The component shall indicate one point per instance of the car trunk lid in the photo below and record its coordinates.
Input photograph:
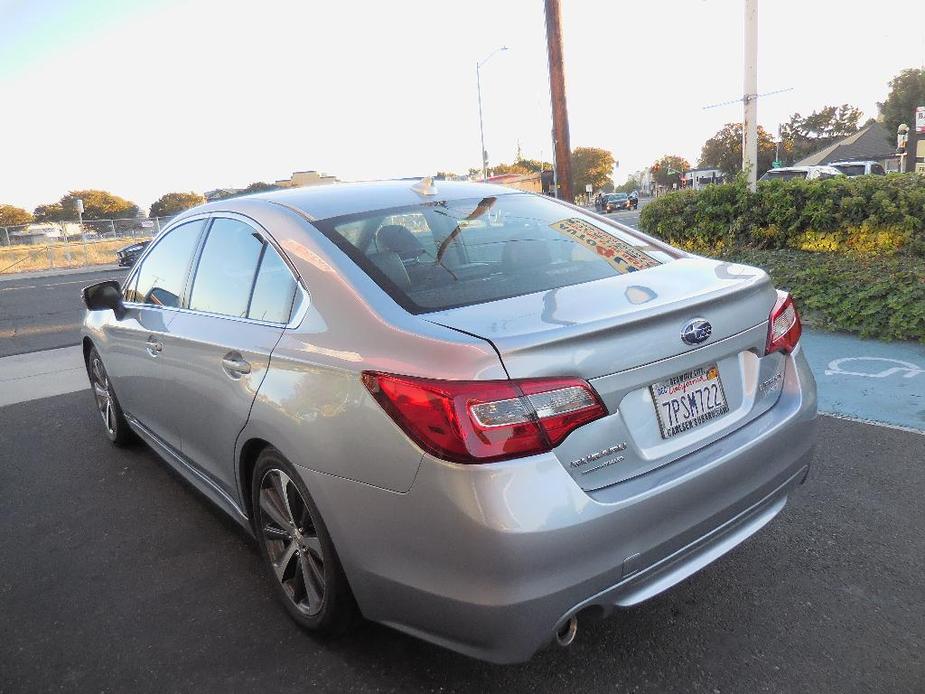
(623, 334)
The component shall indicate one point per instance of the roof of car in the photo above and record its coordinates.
(335, 200)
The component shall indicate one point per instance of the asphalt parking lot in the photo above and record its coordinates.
(118, 576)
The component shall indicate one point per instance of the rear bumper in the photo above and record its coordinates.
(490, 559)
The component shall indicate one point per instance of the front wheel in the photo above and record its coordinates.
(297, 549)
(117, 429)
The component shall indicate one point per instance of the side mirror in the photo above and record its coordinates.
(103, 296)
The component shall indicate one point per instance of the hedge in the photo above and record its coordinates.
(882, 297)
(863, 213)
(851, 250)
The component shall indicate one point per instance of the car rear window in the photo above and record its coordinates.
(851, 169)
(441, 255)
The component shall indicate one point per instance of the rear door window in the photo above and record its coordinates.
(162, 276)
(435, 256)
(227, 269)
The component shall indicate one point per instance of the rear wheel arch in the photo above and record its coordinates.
(250, 451)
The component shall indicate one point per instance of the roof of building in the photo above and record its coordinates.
(871, 142)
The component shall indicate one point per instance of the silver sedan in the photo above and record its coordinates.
(470, 413)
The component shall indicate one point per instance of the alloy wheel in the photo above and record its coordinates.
(291, 540)
(103, 394)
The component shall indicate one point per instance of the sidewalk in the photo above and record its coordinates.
(868, 380)
(38, 274)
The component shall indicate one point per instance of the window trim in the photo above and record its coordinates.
(301, 299)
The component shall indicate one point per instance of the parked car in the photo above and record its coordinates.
(859, 168)
(128, 255)
(478, 432)
(616, 201)
(810, 173)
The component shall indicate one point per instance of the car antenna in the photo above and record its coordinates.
(425, 186)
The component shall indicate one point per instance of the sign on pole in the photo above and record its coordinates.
(920, 120)
(588, 187)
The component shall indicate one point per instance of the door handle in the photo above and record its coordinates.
(235, 365)
(154, 347)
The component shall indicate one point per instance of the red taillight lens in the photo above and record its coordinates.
(481, 421)
(785, 328)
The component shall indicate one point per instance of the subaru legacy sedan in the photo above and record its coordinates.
(474, 414)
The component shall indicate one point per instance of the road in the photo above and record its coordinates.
(44, 312)
(117, 576)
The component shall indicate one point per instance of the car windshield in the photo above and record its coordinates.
(441, 255)
(781, 175)
(617, 196)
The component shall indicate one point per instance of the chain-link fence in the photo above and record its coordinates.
(50, 245)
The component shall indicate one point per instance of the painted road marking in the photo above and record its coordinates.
(868, 380)
(835, 367)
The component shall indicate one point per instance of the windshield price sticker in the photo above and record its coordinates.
(621, 255)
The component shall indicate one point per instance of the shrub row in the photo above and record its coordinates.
(880, 296)
(864, 214)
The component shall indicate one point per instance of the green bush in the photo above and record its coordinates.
(869, 213)
(873, 296)
(851, 250)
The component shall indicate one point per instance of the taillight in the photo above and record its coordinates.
(482, 421)
(785, 328)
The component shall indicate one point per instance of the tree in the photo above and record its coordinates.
(11, 216)
(667, 170)
(500, 169)
(803, 135)
(907, 91)
(632, 183)
(98, 204)
(534, 165)
(171, 204)
(723, 151)
(591, 165)
(259, 187)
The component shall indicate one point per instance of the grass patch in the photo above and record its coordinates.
(26, 258)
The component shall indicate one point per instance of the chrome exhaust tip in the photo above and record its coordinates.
(566, 633)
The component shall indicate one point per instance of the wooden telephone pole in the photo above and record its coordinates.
(561, 145)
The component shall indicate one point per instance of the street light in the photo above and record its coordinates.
(478, 83)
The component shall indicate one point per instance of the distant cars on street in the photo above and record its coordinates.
(128, 255)
(809, 173)
(617, 201)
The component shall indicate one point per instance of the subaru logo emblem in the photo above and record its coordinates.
(696, 331)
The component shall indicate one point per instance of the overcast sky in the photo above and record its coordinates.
(143, 97)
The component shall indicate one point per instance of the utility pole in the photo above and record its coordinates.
(563, 150)
(750, 95)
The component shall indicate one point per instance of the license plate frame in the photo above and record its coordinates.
(693, 383)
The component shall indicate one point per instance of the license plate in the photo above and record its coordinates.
(688, 400)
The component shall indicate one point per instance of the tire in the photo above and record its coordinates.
(114, 424)
(297, 550)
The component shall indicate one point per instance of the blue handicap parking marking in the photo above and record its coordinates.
(868, 379)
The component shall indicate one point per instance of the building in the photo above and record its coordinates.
(532, 183)
(43, 232)
(871, 143)
(302, 179)
(698, 179)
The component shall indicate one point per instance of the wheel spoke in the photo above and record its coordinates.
(284, 561)
(281, 486)
(108, 416)
(313, 544)
(314, 587)
(270, 506)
